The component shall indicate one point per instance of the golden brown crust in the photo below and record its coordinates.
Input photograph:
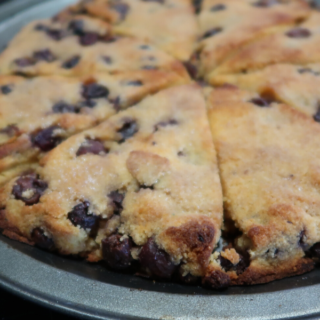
(216, 279)
(144, 20)
(268, 182)
(240, 23)
(11, 231)
(259, 274)
(144, 184)
(295, 85)
(65, 54)
(32, 105)
(20, 144)
(196, 238)
(293, 45)
(159, 184)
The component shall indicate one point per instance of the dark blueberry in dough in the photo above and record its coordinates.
(305, 70)
(10, 130)
(260, 102)
(225, 263)
(299, 33)
(218, 7)
(150, 58)
(46, 139)
(89, 38)
(79, 216)
(315, 4)
(64, 107)
(116, 103)
(316, 117)
(117, 199)
(216, 280)
(71, 63)
(301, 241)
(243, 264)
(41, 240)
(94, 91)
(56, 34)
(77, 27)
(88, 103)
(122, 8)
(93, 147)
(171, 122)
(197, 5)
(24, 62)
(136, 83)
(107, 59)
(315, 250)
(212, 32)
(129, 128)
(149, 68)
(156, 260)
(29, 188)
(44, 55)
(308, 70)
(117, 252)
(6, 89)
(108, 38)
(266, 3)
(192, 69)
(188, 278)
(144, 47)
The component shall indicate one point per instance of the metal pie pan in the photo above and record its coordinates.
(94, 292)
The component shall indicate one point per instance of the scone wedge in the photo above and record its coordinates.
(295, 85)
(269, 167)
(39, 113)
(169, 25)
(229, 25)
(298, 45)
(78, 46)
(141, 189)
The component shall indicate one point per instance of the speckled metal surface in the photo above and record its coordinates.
(91, 291)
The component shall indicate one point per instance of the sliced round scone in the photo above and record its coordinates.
(295, 85)
(80, 45)
(142, 188)
(269, 167)
(169, 25)
(39, 113)
(228, 25)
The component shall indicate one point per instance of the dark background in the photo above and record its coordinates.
(14, 308)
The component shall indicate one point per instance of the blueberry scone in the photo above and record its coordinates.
(168, 24)
(39, 113)
(141, 189)
(295, 85)
(269, 167)
(297, 45)
(80, 45)
(228, 25)
(106, 150)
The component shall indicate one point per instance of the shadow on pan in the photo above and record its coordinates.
(98, 272)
